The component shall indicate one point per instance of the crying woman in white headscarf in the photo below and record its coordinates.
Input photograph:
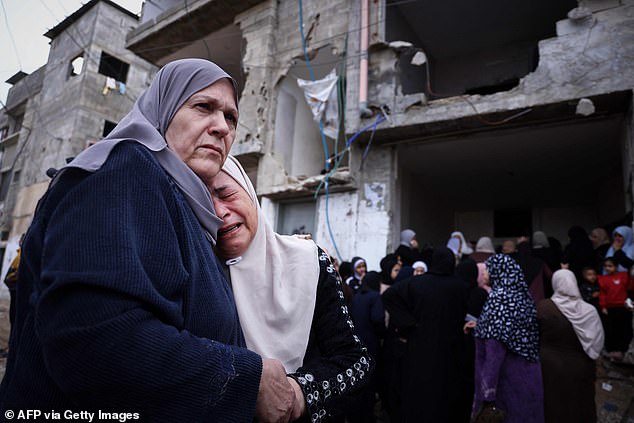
(289, 299)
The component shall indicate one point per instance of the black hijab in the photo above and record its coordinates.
(531, 266)
(443, 262)
(387, 263)
(371, 282)
(404, 273)
(580, 252)
(467, 270)
(345, 270)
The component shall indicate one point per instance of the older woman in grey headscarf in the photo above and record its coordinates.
(122, 304)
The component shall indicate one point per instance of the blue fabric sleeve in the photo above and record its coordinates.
(110, 310)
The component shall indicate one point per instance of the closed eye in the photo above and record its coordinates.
(226, 195)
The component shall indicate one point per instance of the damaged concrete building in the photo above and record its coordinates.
(89, 82)
(495, 119)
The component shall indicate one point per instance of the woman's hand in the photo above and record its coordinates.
(276, 398)
(618, 242)
(299, 407)
(471, 324)
(604, 311)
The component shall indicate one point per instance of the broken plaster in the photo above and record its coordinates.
(375, 195)
(307, 185)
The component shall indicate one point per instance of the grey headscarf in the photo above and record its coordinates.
(540, 240)
(406, 237)
(147, 123)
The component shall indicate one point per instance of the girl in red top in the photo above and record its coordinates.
(617, 315)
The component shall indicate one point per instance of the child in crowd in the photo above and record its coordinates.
(589, 287)
(616, 309)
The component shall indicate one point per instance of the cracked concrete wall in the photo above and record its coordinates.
(362, 220)
(273, 52)
(70, 111)
(588, 57)
(273, 48)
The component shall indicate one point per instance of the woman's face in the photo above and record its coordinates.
(419, 271)
(361, 269)
(239, 214)
(595, 237)
(618, 239)
(203, 129)
(484, 278)
(395, 270)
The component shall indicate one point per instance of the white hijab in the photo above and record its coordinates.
(464, 248)
(485, 245)
(583, 316)
(275, 285)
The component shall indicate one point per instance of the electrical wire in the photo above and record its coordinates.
(191, 24)
(301, 31)
(321, 131)
(332, 236)
(6, 21)
(379, 118)
(85, 52)
(40, 122)
(266, 55)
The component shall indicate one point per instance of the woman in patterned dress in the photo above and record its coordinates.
(508, 374)
(290, 301)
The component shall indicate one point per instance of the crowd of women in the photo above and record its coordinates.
(151, 285)
(483, 333)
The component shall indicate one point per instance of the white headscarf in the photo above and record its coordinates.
(485, 245)
(464, 248)
(275, 285)
(421, 265)
(583, 316)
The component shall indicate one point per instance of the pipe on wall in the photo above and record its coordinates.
(363, 61)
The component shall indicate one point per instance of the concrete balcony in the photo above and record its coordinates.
(183, 24)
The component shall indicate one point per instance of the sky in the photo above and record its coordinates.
(25, 22)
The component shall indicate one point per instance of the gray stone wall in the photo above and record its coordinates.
(273, 48)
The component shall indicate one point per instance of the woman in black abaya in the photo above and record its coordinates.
(429, 311)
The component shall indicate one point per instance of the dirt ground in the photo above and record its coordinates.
(614, 389)
(615, 392)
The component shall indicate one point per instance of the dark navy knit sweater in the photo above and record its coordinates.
(122, 305)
